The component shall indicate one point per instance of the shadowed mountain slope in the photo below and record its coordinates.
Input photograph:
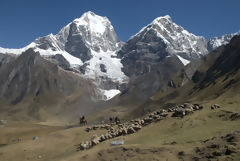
(34, 88)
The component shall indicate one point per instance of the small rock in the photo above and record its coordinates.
(229, 151)
(181, 153)
(215, 106)
(235, 116)
(216, 153)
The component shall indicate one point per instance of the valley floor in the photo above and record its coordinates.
(204, 135)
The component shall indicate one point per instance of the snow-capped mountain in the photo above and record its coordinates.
(215, 42)
(160, 39)
(178, 40)
(89, 44)
(92, 39)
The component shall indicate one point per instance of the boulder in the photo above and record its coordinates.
(235, 116)
(215, 106)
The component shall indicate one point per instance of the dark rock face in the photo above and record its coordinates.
(146, 84)
(46, 42)
(60, 61)
(31, 75)
(103, 68)
(42, 86)
(17, 78)
(139, 54)
(171, 84)
(5, 59)
(83, 68)
(75, 44)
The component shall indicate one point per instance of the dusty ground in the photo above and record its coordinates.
(200, 136)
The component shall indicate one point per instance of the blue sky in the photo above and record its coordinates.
(21, 21)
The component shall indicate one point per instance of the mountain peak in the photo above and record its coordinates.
(95, 23)
(89, 12)
(166, 17)
(215, 42)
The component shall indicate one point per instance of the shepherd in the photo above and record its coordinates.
(110, 120)
(82, 121)
(117, 120)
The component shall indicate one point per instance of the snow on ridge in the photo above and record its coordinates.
(109, 94)
(112, 65)
(16, 51)
(177, 39)
(222, 40)
(71, 59)
(184, 61)
(74, 61)
(149, 25)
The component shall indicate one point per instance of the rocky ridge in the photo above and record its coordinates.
(215, 42)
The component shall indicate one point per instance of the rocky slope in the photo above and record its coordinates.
(158, 51)
(216, 78)
(32, 87)
(213, 78)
